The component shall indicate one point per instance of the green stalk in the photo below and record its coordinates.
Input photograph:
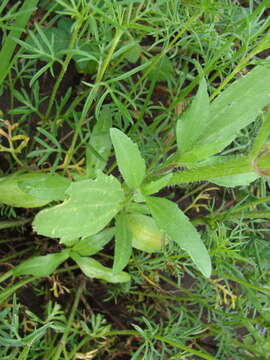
(7, 52)
(236, 166)
(237, 213)
(14, 255)
(229, 167)
(183, 29)
(262, 45)
(5, 294)
(62, 72)
(25, 352)
(11, 224)
(116, 39)
(202, 355)
(62, 343)
(6, 275)
(92, 95)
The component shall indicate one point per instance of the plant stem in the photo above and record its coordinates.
(62, 72)
(10, 224)
(235, 166)
(92, 95)
(201, 354)
(62, 343)
(6, 275)
(262, 45)
(239, 165)
(14, 255)
(5, 294)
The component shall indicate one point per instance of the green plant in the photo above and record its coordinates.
(75, 74)
(141, 220)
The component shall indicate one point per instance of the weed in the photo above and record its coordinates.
(109, 106)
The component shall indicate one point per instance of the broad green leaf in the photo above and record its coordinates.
(100, 143)
(95, 269)
(235, 108)
(129, 160)
(146, 236)
(178, 227)
(235, 180)
(90, 206)
(238, 105)
(156, 185)
(200, 152)
(44, 186)
(192, 124)
(11, 194)
(40, 266)
(93, 244)
(123, 247)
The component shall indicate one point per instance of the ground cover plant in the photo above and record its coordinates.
(134, 182)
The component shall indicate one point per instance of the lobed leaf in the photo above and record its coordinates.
(90, 206)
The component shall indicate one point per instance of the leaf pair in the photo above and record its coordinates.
(206, 129)
(167, 215)
(90, 206)
(41, 266)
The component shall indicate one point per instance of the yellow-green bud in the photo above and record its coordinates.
(146, 235)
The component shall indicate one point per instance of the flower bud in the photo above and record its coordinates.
(146, 235)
